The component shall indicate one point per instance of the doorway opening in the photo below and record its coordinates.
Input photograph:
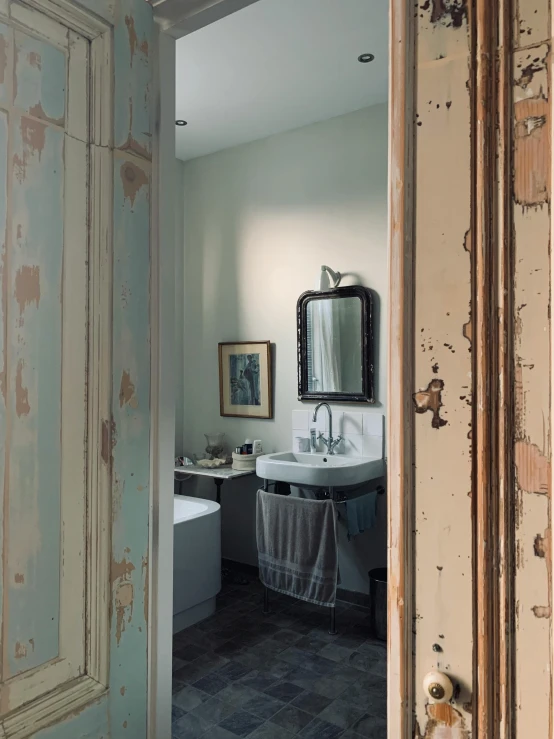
(281, 139)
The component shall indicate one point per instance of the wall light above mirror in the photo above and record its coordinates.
(335, 345)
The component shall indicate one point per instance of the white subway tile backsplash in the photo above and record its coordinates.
(338, 422)
(352, 445)
(373, 446)
(352, 423)
(300, 420)
(363, 432)
(373, 424)
(322, 422)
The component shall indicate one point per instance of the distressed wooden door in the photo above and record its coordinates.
(74, 367)
(471, 362)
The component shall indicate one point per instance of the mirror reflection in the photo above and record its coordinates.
(334, 345)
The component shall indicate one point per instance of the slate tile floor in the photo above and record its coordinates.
(243, 674)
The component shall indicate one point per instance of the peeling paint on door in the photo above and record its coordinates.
(451, 228)
(43, 161)
(444, 722)
(430, 399)
(443, 406)
(34, 329)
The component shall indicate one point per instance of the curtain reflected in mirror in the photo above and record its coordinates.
(334, 346)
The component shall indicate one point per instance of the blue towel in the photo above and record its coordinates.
(360, 513)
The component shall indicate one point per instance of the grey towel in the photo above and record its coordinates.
(360, 513)
(298, 547)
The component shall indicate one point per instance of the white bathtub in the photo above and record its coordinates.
(196, 559)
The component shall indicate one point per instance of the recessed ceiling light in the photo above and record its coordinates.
(180, 123)
(365, 58)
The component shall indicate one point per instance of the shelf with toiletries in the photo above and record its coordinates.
(216, 457)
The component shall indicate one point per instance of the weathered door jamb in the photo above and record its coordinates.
(491, 29)
(401, 369)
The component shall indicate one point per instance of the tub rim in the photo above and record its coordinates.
(211, 507)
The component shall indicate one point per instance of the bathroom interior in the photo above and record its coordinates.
(280, 535)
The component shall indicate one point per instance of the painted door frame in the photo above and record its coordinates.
(490, 41)
(400, 371)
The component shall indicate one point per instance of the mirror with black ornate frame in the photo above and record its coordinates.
(335, 345)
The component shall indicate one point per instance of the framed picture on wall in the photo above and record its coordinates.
(245, 388)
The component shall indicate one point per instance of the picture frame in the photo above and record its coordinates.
(245, 380)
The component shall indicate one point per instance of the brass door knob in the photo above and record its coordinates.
(438, 687)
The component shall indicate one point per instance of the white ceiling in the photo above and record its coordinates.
(278, 65)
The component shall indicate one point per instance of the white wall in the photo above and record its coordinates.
(260, 219)
(179, 307)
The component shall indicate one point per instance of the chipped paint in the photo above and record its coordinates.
(105, 451)
(123, 608)
(133, 178)
(130, 510)
(542, 611)
(126, 391)
(448, 12)
(146, 587)
(543, 545)
(22, 407)
(27, 287)
(532, 142)
(20, 650)
(531, 229)
(33, 135)
(4, 45)
(133, 38)
(122, 570)
(444, 722)
(430, 399)
(40, 78)
(533, 468)
(35, 60)
(443, 598)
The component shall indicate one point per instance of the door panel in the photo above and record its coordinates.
(73, 637)
(35, 324)
(45, 445)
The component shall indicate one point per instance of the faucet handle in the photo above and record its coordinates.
(337, 441)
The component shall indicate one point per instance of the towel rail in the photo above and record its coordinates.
(339, 496)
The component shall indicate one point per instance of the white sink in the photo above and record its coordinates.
(321, 470)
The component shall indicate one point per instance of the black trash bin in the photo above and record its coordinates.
(378, 603)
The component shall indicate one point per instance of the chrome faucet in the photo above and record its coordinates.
(330, 443)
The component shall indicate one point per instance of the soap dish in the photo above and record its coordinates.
(245, 462)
